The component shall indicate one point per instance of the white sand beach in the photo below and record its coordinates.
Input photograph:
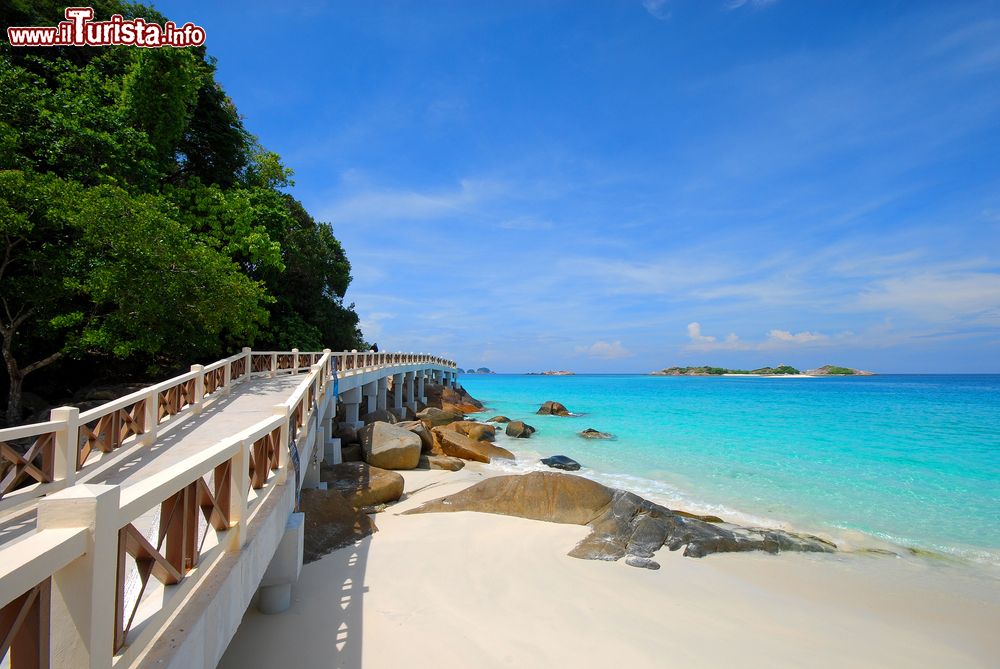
(477, 590)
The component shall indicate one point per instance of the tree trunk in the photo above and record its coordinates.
(14, 398)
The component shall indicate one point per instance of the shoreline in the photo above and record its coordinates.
(677, 491)
(473, 589)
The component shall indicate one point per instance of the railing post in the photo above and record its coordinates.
(240, 485)
(274, 365)
(295, 361)
(227, 377)
(84, 592)
(150, 423)
(199, 388)
(67, 452)
(283, 445)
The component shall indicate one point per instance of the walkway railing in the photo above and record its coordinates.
(117, 562)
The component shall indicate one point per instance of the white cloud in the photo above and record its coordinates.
(797, 338)
(603, 349)
(694, 332)
(938, 297)
(657, 9)
(736, 4)
(401, 204)
(775, 339)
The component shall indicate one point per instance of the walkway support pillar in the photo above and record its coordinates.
(370, 391)
(381, 397)
(276, 585)
(421, 397)
(351, 399)
(408, 384)
(397, 392)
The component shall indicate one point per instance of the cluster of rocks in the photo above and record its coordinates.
(436, 437)
(622, 524)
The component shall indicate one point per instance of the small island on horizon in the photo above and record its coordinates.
(779, 370)
(561, 372)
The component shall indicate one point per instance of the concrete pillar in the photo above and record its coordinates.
(276, 585)
(383, 389)
(397, 392)
(370, 391)
(408, 384)
(332, 454)
(421, 397)
(310, 477)
(352, 399)
(82, 607)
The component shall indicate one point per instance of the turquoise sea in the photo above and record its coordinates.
(906, 459)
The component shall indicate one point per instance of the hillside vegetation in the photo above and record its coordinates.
(142, 227)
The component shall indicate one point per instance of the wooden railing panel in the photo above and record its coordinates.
(36, 463)
(24, 628)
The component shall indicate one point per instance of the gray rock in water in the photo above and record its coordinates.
(622, 523)
(591, 433)
(561, 462)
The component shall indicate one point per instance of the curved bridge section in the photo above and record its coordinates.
(137, 533)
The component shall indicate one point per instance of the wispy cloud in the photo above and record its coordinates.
(602, 349)
(657, 8)
(774, 340)
(736, 4)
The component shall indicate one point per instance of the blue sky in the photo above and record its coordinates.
(628, 185)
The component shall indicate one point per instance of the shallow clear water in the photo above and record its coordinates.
(913, 460)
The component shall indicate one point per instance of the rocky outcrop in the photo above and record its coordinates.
(433, 417)
(390, 447)
(622, 524)
(458, 445)
(330, 523)
(473, 430)
(379, 416)
(551, 408)
(451, 399)
(346, 433)
(418, 428)
(363, 485)
(519, 429)
(498, 419)
(351, 453)
(591, 433)
(431, 461)
(561, 462)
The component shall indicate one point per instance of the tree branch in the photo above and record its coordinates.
(41, 363)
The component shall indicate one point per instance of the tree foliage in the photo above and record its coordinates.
(140, 223)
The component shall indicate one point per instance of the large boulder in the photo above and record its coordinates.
(390, 447)
(433, 417)
(346, 433)
(379, 415)
(473, 430)
(351, 453)
(622, 524)
(363, 485)
(558, 498)
(551, 408)
(520, 429)
(498, 419)
(591, 433)
(330, 523)
(561, 462)
(431, 461)
(418, 428)
(458, 445)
